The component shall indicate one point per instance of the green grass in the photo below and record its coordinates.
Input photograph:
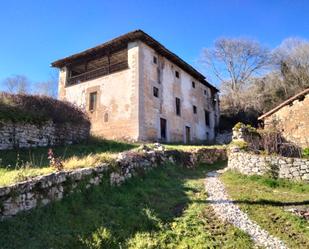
(18, 165)
(185, 147)
(165, 208)
(266, 200)
(22, 164)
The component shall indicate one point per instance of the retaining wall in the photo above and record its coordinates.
(42, 190)
(25, 135)
(277, 166)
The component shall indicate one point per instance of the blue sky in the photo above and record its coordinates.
(36, 32)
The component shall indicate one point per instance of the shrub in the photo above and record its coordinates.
(38, 109)
(240, 144)
(305, 152)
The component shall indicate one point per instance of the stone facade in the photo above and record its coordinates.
(25, 135)
(117, 99)
(292, 120)
(170, 87)
(126, 105)
(276, 166)
(42, 190)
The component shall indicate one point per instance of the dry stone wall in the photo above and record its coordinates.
(276, 166)
(292, 121)
(250, 162)
(25, 135)
(42, 190)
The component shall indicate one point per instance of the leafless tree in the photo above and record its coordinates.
(17, 84)
(49, 87)
(234, 61)
(292, 60)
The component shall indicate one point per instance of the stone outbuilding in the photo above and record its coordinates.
(134, 88)
(291, 118)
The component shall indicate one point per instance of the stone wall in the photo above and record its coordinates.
(275, 166)
(131, 112)
(162, 76)
(292, 121)
(42, 190)
(25, 135)
(116, 113)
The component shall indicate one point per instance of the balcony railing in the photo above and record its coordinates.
(97, 73)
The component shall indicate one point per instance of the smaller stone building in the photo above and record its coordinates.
(291, 118)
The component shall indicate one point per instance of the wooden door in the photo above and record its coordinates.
(163, 128)
(188, 135)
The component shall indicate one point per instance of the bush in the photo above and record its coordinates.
(38, 109)
(305, 152)
(239, 144)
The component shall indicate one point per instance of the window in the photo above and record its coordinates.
(178, 112)
(207, 118)
(205, 92)
(155, 92)
(155, 60)
(194, 109)
(193, 84)
(177, 74)
(159, 75)
(92, 101)
(106, 117)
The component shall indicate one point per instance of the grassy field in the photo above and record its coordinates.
(165, 208)
(18, 165)
(266, 200)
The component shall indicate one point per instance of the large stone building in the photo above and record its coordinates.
(291, 118)
(134, 88)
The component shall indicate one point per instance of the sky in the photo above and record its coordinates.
(35, 33)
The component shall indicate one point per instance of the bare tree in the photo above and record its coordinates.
(44, 88)
(292, 60)
(49, 87)
(17, 84)
(235, 61)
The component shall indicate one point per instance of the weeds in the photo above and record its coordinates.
(54, 161)
(87, 154)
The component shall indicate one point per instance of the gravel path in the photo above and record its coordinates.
(228, 211)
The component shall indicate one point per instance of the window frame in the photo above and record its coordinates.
(92, 106)
(155, 92)
(178, 106)
(207, 118)
(194, 109)
(177, 74)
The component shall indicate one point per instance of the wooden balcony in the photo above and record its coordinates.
(93, 74)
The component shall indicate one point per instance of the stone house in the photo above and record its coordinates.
(134, 88)
(291, 118)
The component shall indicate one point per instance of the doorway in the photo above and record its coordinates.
(188, 135)
(163, 129)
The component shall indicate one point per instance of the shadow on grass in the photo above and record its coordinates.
(11, 159)
(140, 205)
